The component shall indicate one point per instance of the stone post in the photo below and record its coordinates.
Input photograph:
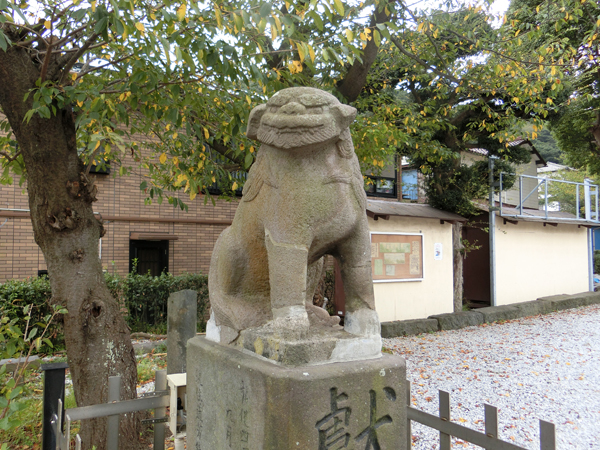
(182, 318)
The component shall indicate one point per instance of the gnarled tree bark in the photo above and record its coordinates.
(67, 231)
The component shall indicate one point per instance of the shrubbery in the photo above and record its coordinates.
(143, 300)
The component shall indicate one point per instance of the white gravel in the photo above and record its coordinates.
(542, 367)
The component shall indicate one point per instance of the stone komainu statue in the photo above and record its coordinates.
(304, 198)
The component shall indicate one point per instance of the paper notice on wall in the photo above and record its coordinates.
(394, 258)
(437, 251)
(378, 267)
(374, 250)
(416, 247)
(390, 270)
(415, 266)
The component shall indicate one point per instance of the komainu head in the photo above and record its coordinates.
(299, 117)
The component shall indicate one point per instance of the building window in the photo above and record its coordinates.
(149, 257)
(380, 186)
(410, 187)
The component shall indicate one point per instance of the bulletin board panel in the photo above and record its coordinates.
(396, 256)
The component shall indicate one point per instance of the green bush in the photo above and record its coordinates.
(143, 301)
(16, 294)
(597, 261)
(143, 298)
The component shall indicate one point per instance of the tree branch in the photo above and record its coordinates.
(423, 63)
(9, 158)
(356, 78)
(73, 59)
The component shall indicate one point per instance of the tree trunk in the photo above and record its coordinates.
(60, 199)
(457, 253)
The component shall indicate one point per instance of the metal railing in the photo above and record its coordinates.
(157, 400)
(488, 440)
(592, 213)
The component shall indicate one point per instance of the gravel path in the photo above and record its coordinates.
(542, 367)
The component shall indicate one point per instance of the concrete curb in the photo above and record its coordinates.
(462, 319)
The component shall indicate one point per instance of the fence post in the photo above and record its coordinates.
(160, 384)
(444, 399)
(112, 426)
(182, 320)
(408, 421)
(54, 390)
(547, 436)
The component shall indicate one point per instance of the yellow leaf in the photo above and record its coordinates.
(251, 149)
(214, 180)
(549, 100)
(93, 6)
(74, 76)
(193, 194)
(174, 135)
(534, 135)
(277, 23)
(163, 158)
(176, 160)
(140, 26)
(153, 16)
(218, 17)
(48, 24)
(206, 134)
(234, 186)
(349, 35)
(300, 53)
(181, 12)
(311, 52)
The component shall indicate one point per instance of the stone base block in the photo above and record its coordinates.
(408, 327)
(240, 401)
(457, 320)
(318, 346)
(495, 313)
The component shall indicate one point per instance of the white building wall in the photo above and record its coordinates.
(418, 299)
(533, 260)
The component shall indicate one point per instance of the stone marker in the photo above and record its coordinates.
(276, 372)
(182, 319)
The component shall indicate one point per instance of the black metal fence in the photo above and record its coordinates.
(488, 440)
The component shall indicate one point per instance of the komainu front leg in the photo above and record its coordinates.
(287, 279)
(355, 264)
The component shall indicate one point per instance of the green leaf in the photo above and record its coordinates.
(376, 37)
(339, 7)
(265, 9)
(4, 41)
(15, 392)
(248, 160)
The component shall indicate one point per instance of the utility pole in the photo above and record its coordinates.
(492, 231)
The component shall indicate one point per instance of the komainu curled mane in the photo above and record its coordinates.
(304, 198)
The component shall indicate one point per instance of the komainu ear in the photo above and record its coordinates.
(344, 115)
(254, 121)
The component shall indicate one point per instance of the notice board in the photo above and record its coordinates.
(396, 256)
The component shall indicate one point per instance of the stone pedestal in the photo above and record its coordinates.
(240, 401)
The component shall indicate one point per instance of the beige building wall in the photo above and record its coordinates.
(533, 260)
(418, 299)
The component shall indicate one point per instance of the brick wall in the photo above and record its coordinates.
(121, 204)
